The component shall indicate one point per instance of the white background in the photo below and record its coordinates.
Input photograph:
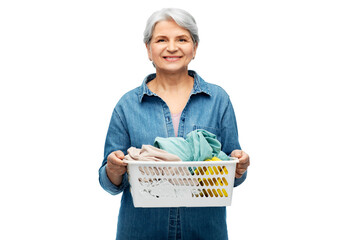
(290, 67)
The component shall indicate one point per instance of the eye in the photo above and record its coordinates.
(160, 40)
(182, 40)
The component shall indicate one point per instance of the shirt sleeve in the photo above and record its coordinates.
(230, 138)
(117, 138)
(229, 131)
(239, 181)
(108, 186)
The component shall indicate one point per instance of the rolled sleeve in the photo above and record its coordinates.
(108, 186)
(239, 181)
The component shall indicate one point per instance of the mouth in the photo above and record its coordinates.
(172, 58)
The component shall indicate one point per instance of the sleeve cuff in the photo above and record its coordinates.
(239, 181)
(108, 186)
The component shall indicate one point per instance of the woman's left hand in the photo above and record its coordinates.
(243, 164)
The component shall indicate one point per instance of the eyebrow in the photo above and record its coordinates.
(183, 36)
(164, 36)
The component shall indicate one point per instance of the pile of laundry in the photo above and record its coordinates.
(199, 145)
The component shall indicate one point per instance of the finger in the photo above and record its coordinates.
(121, 163)
(238, 175)
(243, 164)
(236, 153)
(244, 160)
(242, 167)
(240, 171)
(119, 154)
(116, 161)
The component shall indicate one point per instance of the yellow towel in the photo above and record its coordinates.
(213, 159)
(217, 181)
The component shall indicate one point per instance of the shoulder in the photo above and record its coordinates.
(128, 99)
(213, 90)
(135, 95)
(217, 91)
(132, 95)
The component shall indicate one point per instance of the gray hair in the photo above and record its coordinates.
(181, 17)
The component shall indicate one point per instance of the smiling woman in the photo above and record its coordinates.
(169, 103)
(171, 48)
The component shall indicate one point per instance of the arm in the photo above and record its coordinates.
(230, 141)
(112, 173)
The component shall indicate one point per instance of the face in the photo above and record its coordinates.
(171, 48)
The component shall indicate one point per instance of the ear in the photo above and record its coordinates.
(148, 51)
(195, 48)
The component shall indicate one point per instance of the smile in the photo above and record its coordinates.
(172, 58)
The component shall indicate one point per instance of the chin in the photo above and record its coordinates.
(173, 69)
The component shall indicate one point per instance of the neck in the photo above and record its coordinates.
(172, 81)
(174, 89)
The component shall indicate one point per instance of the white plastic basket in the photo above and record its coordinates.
(181, 184)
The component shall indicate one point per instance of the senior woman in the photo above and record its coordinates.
(172, 102)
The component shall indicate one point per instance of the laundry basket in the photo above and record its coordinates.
(181, 184)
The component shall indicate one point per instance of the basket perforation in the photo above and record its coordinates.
(169, 184)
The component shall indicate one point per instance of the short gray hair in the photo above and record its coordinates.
(181, 17)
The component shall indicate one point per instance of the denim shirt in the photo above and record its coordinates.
(138, 118)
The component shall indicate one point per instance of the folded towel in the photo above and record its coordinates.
(150, 153)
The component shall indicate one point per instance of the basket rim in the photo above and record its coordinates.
(192, 163)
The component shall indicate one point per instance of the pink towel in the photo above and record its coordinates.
(150, 153)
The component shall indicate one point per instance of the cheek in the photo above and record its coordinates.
(155, 52)
(191, 53)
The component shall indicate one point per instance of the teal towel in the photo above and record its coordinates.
(199, 145)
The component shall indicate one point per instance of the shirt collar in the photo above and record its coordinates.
(200, 86)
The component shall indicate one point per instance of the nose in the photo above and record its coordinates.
(172, 46)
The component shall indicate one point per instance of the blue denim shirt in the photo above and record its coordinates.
(138, 118)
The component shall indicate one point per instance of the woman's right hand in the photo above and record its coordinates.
(115, 167)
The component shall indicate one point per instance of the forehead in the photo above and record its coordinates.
(169, 28)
